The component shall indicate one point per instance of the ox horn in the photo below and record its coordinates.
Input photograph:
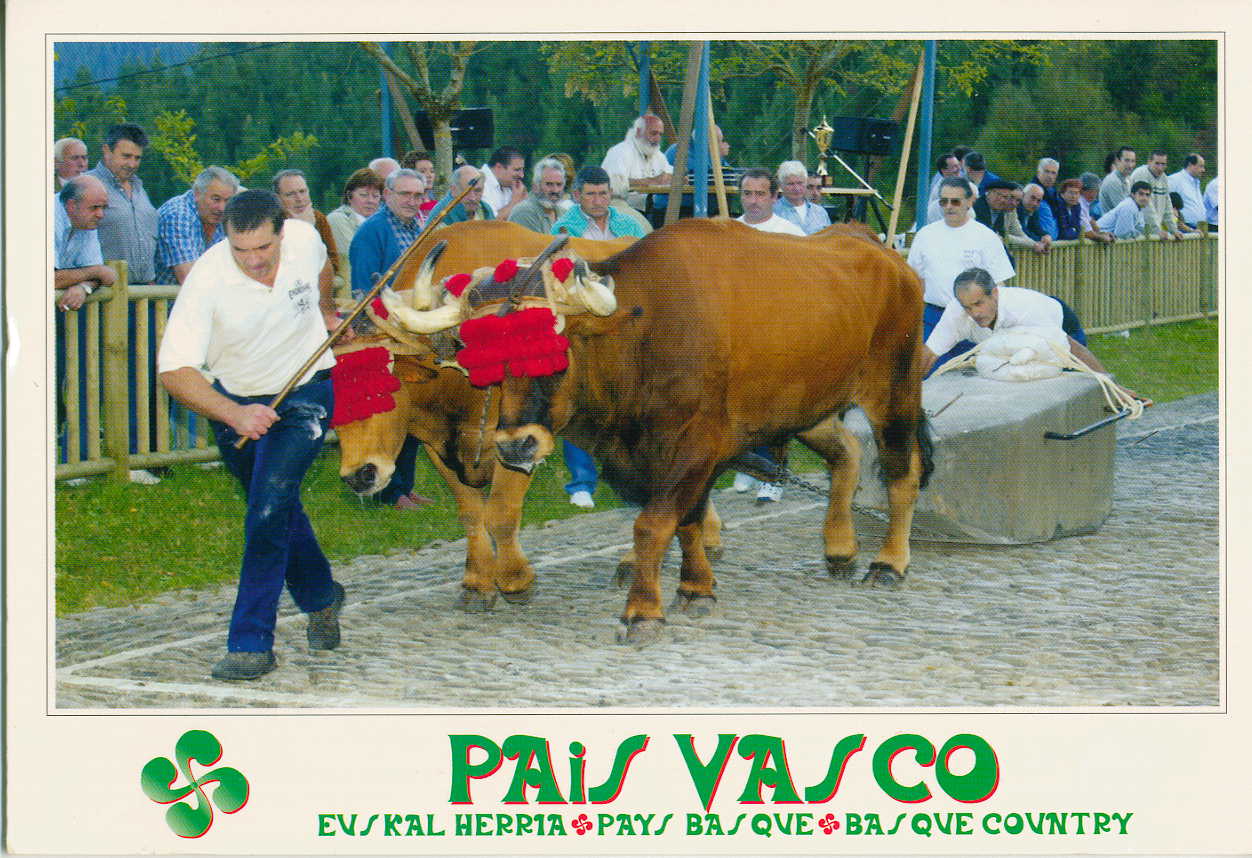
(422, 321)
(593, 292)
(424, 291)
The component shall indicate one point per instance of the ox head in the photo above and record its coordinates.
(509, 320)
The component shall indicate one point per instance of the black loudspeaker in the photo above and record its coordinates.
(472, 128)
(862, 136)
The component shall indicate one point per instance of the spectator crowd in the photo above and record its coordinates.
(105, 213)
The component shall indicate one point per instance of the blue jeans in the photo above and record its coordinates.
(279, 543)
(582, 469)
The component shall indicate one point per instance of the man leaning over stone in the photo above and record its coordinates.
(250, 313)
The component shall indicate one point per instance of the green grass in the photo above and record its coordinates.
(120, 543)
(1164, 363)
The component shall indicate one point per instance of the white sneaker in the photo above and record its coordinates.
(744, 483)
(144, 478)
(582, 499)
(769, 492)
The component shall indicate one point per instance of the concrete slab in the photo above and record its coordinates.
(997, 480)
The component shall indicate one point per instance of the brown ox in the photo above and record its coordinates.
(721, 338)
(439, 408)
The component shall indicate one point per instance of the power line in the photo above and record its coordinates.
(190, 62)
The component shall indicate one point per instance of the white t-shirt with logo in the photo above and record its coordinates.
(250, 336)
(939, 253)
(1015, 307)
(775, 224)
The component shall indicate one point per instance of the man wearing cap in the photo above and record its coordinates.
(997, 210)
(250, 313)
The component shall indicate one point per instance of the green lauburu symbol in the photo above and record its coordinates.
(158, 776)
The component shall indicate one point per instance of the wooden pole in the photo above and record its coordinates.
(361, 305)
(684, 132)
(715, 158)
(116, 395)
(904, 154)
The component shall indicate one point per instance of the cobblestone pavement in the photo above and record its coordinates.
(1128, 616)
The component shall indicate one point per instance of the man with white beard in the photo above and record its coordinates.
(638, 161)
(547, 200)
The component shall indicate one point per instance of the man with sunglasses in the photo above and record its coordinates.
(943, 249)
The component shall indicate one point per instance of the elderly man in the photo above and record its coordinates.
(293, 193)
(638, 161)
(472, 207)
(378, 242)
(384, 166)
(980, 307)
(250, 314)
(423, 163)
(1158, 215)
(1126, 220)
(997, 210)
(69, 158)
(191, 223)
(1038, 221)
(758, 193)
(794, 205)
(79, 263)
(1116, 185)
(1089, 198)
(547, 201)
(1046, 173)
(1186, 183)
(503, 184)
(593, 216)
(947, 247)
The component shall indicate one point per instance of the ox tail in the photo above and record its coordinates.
(926, 447)
(895, 446)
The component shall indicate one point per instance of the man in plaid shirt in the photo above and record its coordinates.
(191, 223)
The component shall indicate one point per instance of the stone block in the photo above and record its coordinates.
(997, 480)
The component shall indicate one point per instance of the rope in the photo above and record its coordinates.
(1116, 396)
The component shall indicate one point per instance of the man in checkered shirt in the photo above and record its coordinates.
(191, 223)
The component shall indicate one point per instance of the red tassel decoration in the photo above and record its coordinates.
(456, 283)
(363, 385)
(506, 271)
(562, 267)
(523, 343)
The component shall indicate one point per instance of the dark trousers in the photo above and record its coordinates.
(405, 474)
(279, 543)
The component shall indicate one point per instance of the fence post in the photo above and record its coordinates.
(116, 392)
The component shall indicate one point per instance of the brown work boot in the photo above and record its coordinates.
(323, 630)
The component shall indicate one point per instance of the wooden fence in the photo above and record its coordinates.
(1126, 285)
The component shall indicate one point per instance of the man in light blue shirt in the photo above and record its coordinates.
(1186, 183)
(793, 204)
(1126, 218)
(79, 262)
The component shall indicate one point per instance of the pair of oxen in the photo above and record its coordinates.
(667, 358)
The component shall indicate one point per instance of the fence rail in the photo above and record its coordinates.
(116, 416)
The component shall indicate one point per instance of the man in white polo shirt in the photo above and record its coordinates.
(758, 191)
(943, 249)
(981, 308)
(248, 316)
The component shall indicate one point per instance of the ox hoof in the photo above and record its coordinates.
(883, 576)
(641, 631)
(713, 552)
(519, 597)
(476, 601)
(625, 573)
(695, 606)
(841, 568)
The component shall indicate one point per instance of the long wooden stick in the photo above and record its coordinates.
(904, 155)
(715, 155)
(361, 305)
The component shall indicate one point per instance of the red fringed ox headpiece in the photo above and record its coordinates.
(363, 385)
(523, 343)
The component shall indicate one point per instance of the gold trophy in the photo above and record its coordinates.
(821, 136)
